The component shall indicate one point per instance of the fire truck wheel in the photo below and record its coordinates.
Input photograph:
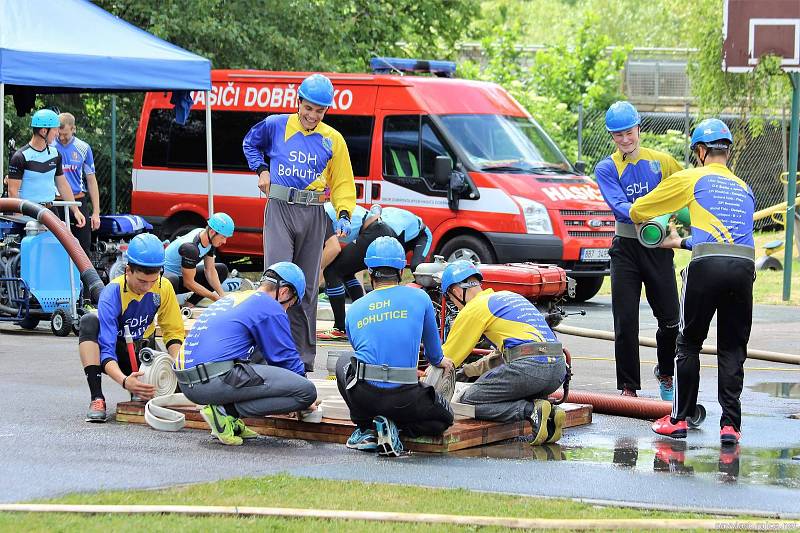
(468, 247)
(586, 288)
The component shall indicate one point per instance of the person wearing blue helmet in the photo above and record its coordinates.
(183, 267)
(379, 383)
(35, 171)
(632, 172)
(718, 279)
(239, 359)
(301, 162)
(528, 362)
(131, 301)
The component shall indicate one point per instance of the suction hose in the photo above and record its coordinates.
(612, 404)
(89, 276)
(761, 355)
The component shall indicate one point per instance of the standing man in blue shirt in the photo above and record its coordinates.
(380, 384)
(35, 171)
(299, 161)
(77, 161)
(629, 173)
(217, 366)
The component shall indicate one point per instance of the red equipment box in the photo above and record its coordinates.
(531, 280)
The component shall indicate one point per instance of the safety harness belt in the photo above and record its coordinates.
(705, 249)
(382, 373)
(546, 351)
(292, 195)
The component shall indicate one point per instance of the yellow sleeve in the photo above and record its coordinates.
(466, 331)
(169, 314)
(669, 166)
(339, 177)
(670, 195)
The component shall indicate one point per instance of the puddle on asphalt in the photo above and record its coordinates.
(778, 390)
(760, 466)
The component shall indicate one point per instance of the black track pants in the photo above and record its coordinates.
(722, 285)
(633, 265)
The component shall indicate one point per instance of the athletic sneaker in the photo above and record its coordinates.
(665, 385)
(332, 334)
(240, 430)
(389, 444)
(366, 441)
(664, 426)
(221, 425)
(729, 436)
(555, 424)
(629, 392)
(97, 411)
(538, 418)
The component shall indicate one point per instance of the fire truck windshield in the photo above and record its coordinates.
(497, 143)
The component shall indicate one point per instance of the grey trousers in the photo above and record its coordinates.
(255, 390)
(296, 233)
(506, 393)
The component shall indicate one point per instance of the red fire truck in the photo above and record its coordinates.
(520, 199)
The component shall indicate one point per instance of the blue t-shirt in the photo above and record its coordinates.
(77, 161)
(386, 326)
(186, 252)
(233, 327)
(404, 223)
(38, 171)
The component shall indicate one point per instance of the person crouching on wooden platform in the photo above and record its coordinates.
(220, 364)
(130, 301)
(380, 384)
(529, 361)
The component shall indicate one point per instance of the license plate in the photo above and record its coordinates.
(595, 254)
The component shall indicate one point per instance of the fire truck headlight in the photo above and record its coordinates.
(537, 220)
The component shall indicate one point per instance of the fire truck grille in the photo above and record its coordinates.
(584, 213)
(608, 234)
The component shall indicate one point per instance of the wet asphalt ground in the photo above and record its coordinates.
(48, 450)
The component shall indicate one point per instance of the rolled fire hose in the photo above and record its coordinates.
(444, 382)
(89, 277)
(761, 355)
(157, 368)
(653, 232)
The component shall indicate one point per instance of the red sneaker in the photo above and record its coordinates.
(729, 436)
(664, 426)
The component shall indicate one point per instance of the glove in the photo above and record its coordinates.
(343, 226)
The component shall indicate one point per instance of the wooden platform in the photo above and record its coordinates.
(465, 433)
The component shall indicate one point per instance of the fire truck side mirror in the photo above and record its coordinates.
(441, 170)
(580, 167)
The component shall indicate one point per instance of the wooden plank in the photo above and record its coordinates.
(463, 434)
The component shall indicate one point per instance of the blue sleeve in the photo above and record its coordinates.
(256, 143)
(688, 243)
(608, 181)
(430, 335)
(274, 338)
(109, 308)
(88, 162)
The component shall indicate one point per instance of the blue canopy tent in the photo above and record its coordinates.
(107, 54)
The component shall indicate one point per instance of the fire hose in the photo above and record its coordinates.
(89, 277)
(157, 368)
(762, 355)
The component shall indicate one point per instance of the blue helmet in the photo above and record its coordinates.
(146, 250)
(317, 89)
(621, 116)
(385, 252)
(45, 118)
(710, 132)
(222, 224)
(291, 275)
(458, 271)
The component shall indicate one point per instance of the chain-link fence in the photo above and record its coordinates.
(759, 155)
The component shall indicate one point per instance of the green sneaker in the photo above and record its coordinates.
(221, 425)
(240, 430)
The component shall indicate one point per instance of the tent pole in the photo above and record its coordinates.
(2, 133)
(114, 154)
(209, 160)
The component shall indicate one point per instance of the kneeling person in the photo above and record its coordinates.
(132, 300)
(216, 367)
(380, 384)
(529, 362)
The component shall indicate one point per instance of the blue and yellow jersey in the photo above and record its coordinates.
(118, 306)
(385, 328)
(233, 327)
(505, 318)
(303, 159)
(623, 180)
(37, 170)
(721, 205)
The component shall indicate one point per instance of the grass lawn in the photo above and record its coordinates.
(768, 288)
(292, 492)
